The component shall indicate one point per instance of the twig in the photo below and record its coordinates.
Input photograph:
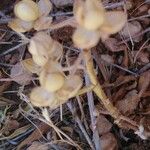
(12, 49)
(83, 117)
(136, 55)
(146, 67)
(96, 138)
(73, 111)
(140, 17)
(137, 35)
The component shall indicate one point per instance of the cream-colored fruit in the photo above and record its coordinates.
(51, 82)
(27, 10)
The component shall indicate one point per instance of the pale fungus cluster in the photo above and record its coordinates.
(55, 87)
(31, 15)
(95, 23)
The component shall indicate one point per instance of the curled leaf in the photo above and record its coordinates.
(114, 22)
(45, 7)
(70, 88)
(132, 29)
(85, 39)
(103, 125)
(20, 75)
(108, 142)
(19, 25)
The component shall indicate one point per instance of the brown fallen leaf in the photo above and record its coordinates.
(107, 58)
(111, 44)
(3, 85)
(36, 135)
(131, 29)
(103, 125)
(9, 126)
(20, 75)
(142, 57)
(123, 80)
(129, 103)
(144, 82)
(38, 146)
(108, 142)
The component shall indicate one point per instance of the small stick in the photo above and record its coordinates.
(83, 117)
(96, 138)
(73, 111)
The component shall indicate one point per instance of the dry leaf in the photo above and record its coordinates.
(123, 80)
(142, 56)
(107, 58)
(43, 23)
(83, 38)
(132, 29)
(45, 7)
(129, 103)
(114, 22)
(36, 135)
(3, 85)
(31, 66)
(20, 75)
(144, 82)
(19, 25)
(70, 88)
(103, 125)
(38, 146)
(108, 142)
(111, 44)
(10, 125)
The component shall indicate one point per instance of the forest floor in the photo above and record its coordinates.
(122, 64)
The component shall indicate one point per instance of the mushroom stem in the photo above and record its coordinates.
(114, 112)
